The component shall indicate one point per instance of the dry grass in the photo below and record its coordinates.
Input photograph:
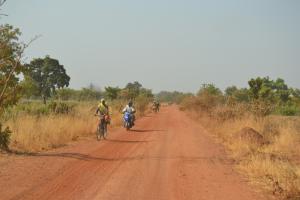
(274, 166)
(39, 132)
(34, 133)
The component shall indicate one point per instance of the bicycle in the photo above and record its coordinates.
(102, 127)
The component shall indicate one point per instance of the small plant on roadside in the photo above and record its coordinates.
(4, 138)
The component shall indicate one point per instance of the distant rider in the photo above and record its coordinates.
(130, 109)
(156, 105)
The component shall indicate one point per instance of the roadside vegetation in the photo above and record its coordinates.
(259, 126)
(37, 109)
(67, 116)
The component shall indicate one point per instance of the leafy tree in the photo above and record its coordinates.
(261, 88)
(112, 92)
(11, 53)
(49, 76)
(269, 90)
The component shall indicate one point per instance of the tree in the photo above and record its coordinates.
(112, 92)
(209, 89)
(11, 54)
(237, 94)
(269, 90)
(282, 92)
(29, 87)
(133, 89)
(261, 88)
(49, 76)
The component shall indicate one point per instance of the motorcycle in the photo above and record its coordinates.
(127, 118)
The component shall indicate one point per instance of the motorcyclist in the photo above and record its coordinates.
(130, 109)
(156, 105)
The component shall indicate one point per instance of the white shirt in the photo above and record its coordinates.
(128, 109)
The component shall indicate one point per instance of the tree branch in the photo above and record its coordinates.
(14, 65)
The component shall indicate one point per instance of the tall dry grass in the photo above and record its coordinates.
(34, 133)
(38, 131)
(275, 165)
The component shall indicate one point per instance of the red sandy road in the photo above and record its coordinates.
(167, 157)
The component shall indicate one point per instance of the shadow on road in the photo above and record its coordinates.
(147, 130)
(127, 141)
(86, 157)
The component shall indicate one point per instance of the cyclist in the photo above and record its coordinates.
(103, 112)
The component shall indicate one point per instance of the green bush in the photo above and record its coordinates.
(4, 138)
(288, 110)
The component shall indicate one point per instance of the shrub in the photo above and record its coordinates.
(61, 107)
(4, 138)
(288, 110)
(142, 103)
(261, 108)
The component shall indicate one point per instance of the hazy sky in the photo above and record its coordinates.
(165, 45)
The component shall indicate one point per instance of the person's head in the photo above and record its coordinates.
(130, 103)
(103, 101)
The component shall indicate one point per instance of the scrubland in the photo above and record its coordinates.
(265, 148)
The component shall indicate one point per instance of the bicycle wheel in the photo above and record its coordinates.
(98, 132)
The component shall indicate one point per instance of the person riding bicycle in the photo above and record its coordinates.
(130, 109)
(102, 110)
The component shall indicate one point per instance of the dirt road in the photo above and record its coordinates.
(166, 156)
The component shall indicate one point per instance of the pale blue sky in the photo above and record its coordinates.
(165, 45)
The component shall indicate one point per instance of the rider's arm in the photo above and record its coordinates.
(133, 110)
(124, 110)
(97, 111)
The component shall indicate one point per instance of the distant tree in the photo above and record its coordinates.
(86, 94)
(229, 91)
(112, 93)
(172, 97)
(49, 76)
(282, 92)
(209, 89)
(66, 94)
(147, 93)
(240, 95)
(133, 89)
